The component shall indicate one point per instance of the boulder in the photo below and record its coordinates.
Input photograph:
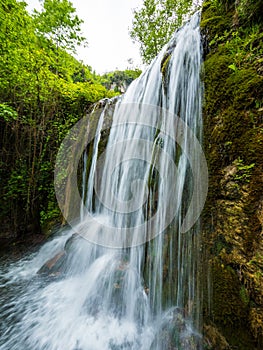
(54, 266)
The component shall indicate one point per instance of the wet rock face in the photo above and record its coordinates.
(54, 266)
(175, 332)
(58, 264)
(233, 216)
(68, 245)
(213, 339)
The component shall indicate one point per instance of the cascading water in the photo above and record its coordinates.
(129, 278)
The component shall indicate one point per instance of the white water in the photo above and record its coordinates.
(144, 295)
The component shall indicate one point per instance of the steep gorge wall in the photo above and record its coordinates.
(233, 141)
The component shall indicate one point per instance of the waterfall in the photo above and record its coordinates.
(125, 275)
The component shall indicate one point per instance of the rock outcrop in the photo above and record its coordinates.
(233, 141)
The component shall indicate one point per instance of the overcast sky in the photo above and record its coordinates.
(106, 26)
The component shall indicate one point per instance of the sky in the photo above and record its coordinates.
(106, 27)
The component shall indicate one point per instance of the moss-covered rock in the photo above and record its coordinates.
(233, 140)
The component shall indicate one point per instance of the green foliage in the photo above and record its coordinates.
(244, 172)
(7, 112)
(233, 67)
(17, 183)
(119, 80)
(44, 91)
(58, 22)
(155, 22)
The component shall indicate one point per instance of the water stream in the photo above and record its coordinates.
(126, 274)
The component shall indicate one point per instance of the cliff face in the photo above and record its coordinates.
(233, 141)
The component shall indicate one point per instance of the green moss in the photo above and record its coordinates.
(214, 18)
(244, 295)
(233, 132)
(211, 21)
(164, 64)
(164, 68)
(250, 11)
(230, 310)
